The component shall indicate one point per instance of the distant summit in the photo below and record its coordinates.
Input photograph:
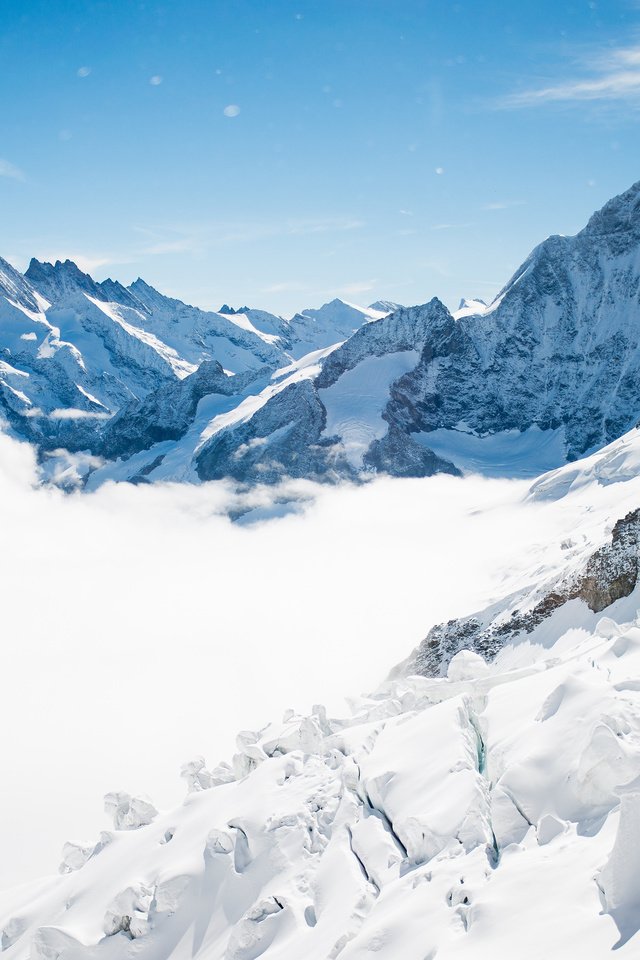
(229, 311)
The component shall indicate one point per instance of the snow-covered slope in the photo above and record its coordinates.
(78, 355)
(233, 340)
(489, 810)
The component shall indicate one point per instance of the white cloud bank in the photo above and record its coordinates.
(141, 628)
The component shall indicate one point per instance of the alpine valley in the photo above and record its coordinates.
(484, 799)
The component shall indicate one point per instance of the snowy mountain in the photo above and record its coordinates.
(334, 321)
(482, 801)
(544, 374)
(75, 353)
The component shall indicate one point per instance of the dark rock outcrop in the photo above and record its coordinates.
(167, 413)
(399, 455)
(282, 439)
(610, 574)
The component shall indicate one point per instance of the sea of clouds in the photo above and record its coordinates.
(141, 626)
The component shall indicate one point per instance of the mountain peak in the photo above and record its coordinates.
(61, 279)
(620, 215)
(230, 311)
(115, 292)
(469, 306)
(385, 306)
(144, 292)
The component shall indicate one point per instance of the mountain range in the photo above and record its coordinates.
(114, 382)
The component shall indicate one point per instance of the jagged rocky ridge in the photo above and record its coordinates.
(608, 575)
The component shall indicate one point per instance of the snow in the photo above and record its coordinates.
(242, 320)
(179, 674)
(122, 316)
(355, 402)
(182, 670)
(382, 832)
(508, 453)
(304, 369)
(334, 321)
(616, 463)
(469, 308)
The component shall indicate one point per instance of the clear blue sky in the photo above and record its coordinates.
(382, 148)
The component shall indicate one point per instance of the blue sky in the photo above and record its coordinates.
(281, 153)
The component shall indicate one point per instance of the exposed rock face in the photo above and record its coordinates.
(609, 574)
(58, 281)
(428, 327)
(397, 454)
(557, 348)
(167, 413)
(282, 439)
(70, 344)
(612, 572)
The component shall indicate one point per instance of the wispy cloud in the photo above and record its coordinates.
(10, 171)
(86, 262)
(198, 238)
(357, 286)
(451, 226)
(503, 204)
(610, 76)
(89, 263)
(287, 286)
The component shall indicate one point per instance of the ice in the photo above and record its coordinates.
(75, 855)
(129, 912)
(549, 827)
(507, 822)
(619, 877)
(458, 817)
(129, 812)
(467, 665)
(507, 453)
(489, 812)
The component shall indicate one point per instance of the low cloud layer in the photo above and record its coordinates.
(142, 627)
